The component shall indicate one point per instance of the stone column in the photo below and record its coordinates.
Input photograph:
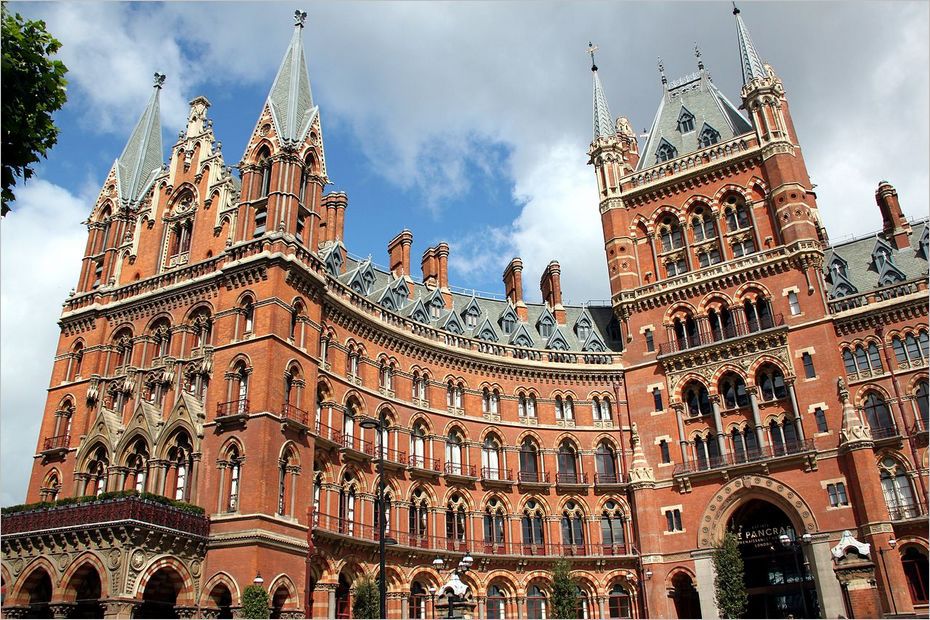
(679, 410)
(705, 574)
(756, 418)
(482, 607)
(829, 593)
(404, 605)
(192, 495)
(793, 397)
(520, 607)
(718, 424)
(330, 600)
(601, 607)
(118, 609)
(61, 609)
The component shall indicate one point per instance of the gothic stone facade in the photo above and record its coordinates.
(222, 348)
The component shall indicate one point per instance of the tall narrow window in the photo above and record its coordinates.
(673, 520)
(793, 303)
(808, 361)
(657, 404)
(821, 418)
(664, 451)
(261, 221)
(650, 341)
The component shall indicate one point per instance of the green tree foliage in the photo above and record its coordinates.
(367, 603)
(33, 88)
(729, 583)
(255, 602)
(564, 592)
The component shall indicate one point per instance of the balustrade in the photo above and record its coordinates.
(753, 455)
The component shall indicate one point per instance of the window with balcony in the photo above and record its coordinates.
(744, 444)
(686, 333)
(495, 518)
(572, 525)
(783, 436)
(758, 314)
(455, 519)
(529, 461)
(612, 526)
(98, 469)
(418, 515)
(491, 457)
(418, 445)
(347, 496)
(708, 257)
(605, 461)
(568, 463)
(454, 450)
(706, 451)
(897, 489)
(532, 525)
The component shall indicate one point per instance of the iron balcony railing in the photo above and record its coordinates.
(753, 455)
(736, 330)
(900, 512)
(57, 442)
(107, 511)
(292, 412)
(534, 477)
(459, 469)
(571, 478)
(233, 407)
(496, 473)
(351, 442)
(884, 432)
(420, 462)
(600, 479)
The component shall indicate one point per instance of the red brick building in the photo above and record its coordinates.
(223, 349)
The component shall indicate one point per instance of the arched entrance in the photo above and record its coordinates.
(685, 597)
(38, 589)
(279, 600)
(86, 586)
(221, 598)
(161, 594)
(777, 574)
(343, 598)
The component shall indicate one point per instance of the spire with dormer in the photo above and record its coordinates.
(290, 99)
(141, 160)
(603, 121)
(750, 62)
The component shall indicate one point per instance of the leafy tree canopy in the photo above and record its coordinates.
(33, 88)
(367, 603)
(729, 582)
(564, 591)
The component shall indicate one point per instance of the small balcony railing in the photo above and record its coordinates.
(735, 459)
(607, 479)
(534, 477)
(460, 469)
(419, 462)
(901, 512)
(326, 433)
(736, 330)
(571, 478)
(295, 414)
(884, 432)
(496, 474)
(356, 444)
(233, 408)
(395, 456)
(57, 442)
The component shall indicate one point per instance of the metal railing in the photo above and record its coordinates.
(292, 412)
(753, 455)
(57, 442)
(496, 473)
(884, 432)
(608, 479)
(421, 462)
(107, 511)
(351, 442)
(534, 477)
(571, 478)
(232, 407)
(906, 511)
(460, 469)
(736, 330)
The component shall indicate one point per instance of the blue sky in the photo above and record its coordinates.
(465, 122)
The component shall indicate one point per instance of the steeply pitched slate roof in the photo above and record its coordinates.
(750, 62)
(141, 159)
(290, 99)
(861, 271)
(603, 121)
(490, 311)
(709, 106)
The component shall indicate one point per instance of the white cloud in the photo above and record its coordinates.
(40, 259)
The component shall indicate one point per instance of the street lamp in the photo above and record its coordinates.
(881, 552)
(795, 545)
(383, 541)
(258, 579)
(432, 598)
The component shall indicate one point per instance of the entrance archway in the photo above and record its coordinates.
(777, 575)
(161, 594)
(343, 598)
(38, 587)
(221, 598)
(86, 586)
(685, 597)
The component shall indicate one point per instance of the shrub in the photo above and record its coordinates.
(367, 603)
(729, 583)
(564, 594)
(255, 602)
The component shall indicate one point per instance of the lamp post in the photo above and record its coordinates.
(881, 552)
(795, 546)
(432, 598)
(383, 542)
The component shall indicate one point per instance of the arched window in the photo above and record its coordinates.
(76, 361)
(784, 436)
(703, 224)
(296, 314)
(494, 519)
(496, 603)
(161, 334)
(376, 522)
(706, 451)
(240, 387)
(619, 603)
(733, 390)
(568, 463)
(418, 517)
(697, 399)
(606, 464)
(736, 213)
(709, 136)
(491, 457)
(721, 324)
(234, 470)
(97, 469)
(581, 603)
(490, 400)
(418, 598)
(564, 408)
(527, 405)
(921, 395)
(181, 461)
(600, 409)
(535, 603)
(347, 504)
(454, 450)
(666, 152)
(63, 417)
(137, 466)
(897, 489)
(317, 495)
(758, 314)
(247, 310)
(455, 519)
(51, 487)
(264, 163)
(670, 234)
(911, 350)
(878, 414)
(745, 445)
(771, 383)
(122, 344)
(529, 461)
(104, 223)
(686, 333)
(417, 445)
(352, 411)
(914, 562)
(572, 529)
(613, 536)
(533, 529)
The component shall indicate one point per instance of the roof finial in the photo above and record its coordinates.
(591, 49)
(299, 18)
(697, 54)
(159, 79)
(735, 9)
(662, 73)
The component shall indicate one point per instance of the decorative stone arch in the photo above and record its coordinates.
(725, 369)
(455, 424)
(705, 434)
(579, 501)
(541, 578)
(427, 490)
(758, 188)
(541, 501)
(390, 487)
(242, 358)
(752, 291)
(282, 580)
(389, 412)
(864, 390)
(503, 577)
(290, 447)
(247, 294)
(6, 578)
(463, 494)
(675, 572)
(659, 214)
(713, 298)
(90, 446)
(777, 418)
(761, 361)
(262, 143)
(738, 491)
(528, 390)
(127, 440)
(531, 435)
(679, 309)
(19, 594)
(730, 188)
(186, 592)
(68, 593)
(357, 397)
(701, 200)
(501, 497)
(914, 380)
(359, 480)
(897, 457)
(679, 388)
(423, 420)
(617, 499)
(229, 443)
(171, 431)
(570, 438)
(642, 223)
(351, 568)
(426, 576)
(219, 578)
(607, 438)
(742, 425)
(319, 569)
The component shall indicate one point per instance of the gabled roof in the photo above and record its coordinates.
(521, 336)
(333, 259)
(594, 343)
(557, 341)
(698, 95)
(418, 312)
(453, 324)
(395, 295)
(486, 331)
(472, 307)
(290, 99)
(363, 279)
(141, 160)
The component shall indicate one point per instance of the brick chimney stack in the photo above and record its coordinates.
(513, 286)
(551, 286)
(430, 266)
(442, 256)
(399, 253)
(435, 266)
(895, 226)
(333, 220)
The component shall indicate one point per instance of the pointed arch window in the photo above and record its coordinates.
(417, 445)
(494, 520)
(685, 121)
(347, 505)
(564, 408)
(702, 223)
(709, 136)
(771, 383)
(897, 489)
(605, 461)
(454, 451)
(568, 464)
(914, 562)
(234, 467)
(491, 458)
(535, 603)
(418, 517)
(733, 389)
(878, 415)
(745, 445)
(666, 152)
(529, 461)
(136, 467)
(921, 394)
(98, 468)
(455, 520)
(619, 603)
(600, 409)
(496, 603)
(572, 529)
(264, 163)
(670, 234)
(697, 399)
(613, 536)
(532, 528)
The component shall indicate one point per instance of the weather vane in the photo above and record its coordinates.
(662, 71)
(159, 79)
(300, 17)
(697, 54)
(591, 49)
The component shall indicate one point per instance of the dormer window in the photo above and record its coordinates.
(471, 320)
(881, 256)
(709, 136)
(685, 121)
(837, 268)
(545, 327)
(583, 329)
(666, 152)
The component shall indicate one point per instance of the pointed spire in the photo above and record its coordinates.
(141, 159)
(749, 60)
(697, 54)
(290, 99)
(603, 123)
(662, 73)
